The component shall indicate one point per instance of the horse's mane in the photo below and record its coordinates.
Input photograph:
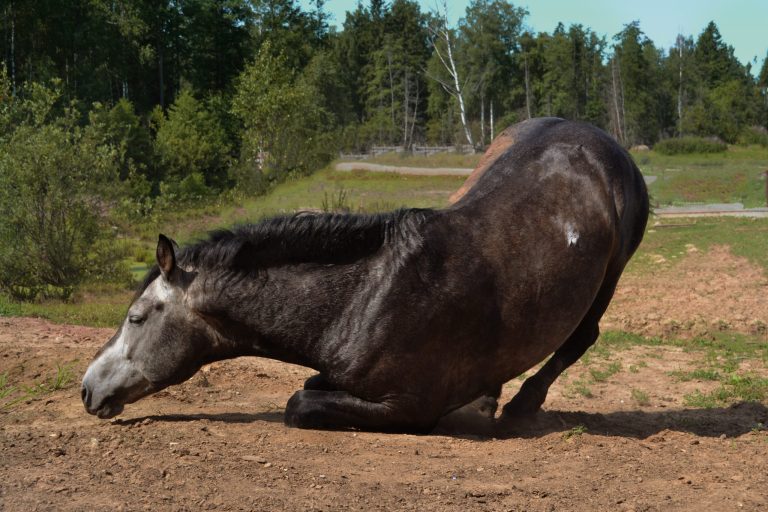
(323, 238)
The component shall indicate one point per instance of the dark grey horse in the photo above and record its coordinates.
(406, 316)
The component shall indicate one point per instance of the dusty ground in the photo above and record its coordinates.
(218, 442)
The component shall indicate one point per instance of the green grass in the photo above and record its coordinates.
(640, 397)
(729, 177)
(724, 346)
(105, 309)
(11, 395)
(436, 160)
(670, 239)
(605, 373)
(576, 431)
(735, 388)
(698, 374)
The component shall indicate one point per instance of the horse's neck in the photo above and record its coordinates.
(284, 313)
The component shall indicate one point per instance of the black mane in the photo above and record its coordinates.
(300, 238)
(324, 238)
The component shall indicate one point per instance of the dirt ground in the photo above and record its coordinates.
(217, 442)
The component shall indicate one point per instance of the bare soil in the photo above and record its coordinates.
(218, 442)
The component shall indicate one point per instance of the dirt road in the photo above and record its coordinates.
(628, 440)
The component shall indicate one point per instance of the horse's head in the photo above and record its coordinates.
(160, 342)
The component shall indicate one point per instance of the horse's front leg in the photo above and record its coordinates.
(339, 410)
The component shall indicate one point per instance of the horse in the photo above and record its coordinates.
(406, 316)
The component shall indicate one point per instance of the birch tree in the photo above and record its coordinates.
(442, 40)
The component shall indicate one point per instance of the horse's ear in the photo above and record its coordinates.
(166, 255)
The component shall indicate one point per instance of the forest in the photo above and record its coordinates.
(111, 110)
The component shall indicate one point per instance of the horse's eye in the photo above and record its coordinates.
(137, 319)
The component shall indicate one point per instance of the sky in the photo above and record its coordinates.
(743, 24)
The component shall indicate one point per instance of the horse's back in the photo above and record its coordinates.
(552, 167)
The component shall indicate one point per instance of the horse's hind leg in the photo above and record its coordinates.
(340, 410)
(534, 390)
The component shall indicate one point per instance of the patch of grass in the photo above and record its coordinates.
(5, 388)
(641, 397)
(582, 388)
(606, 373)
(698, 374)
(363, 192)
(576, 431)
(671, 239)
(720, 346)
(448, 159)
(700, 400)
(747, 388)
(61, 379)
(103, 309)
(635, 368)
(728, 177)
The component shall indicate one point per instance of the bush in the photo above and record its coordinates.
(686, 145)
(754, 135)
(52, 236)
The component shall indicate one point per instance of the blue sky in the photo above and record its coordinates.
(742, 23)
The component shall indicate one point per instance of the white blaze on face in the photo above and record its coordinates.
(113, 372)
(571, 234)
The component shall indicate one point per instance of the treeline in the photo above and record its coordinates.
(123, 107)
(393, 74)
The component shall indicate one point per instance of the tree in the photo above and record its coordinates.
(283, 123)
(490, 38)
(122, 129)
(446, 73)
(715, 61)
(762, 82)
(635, 95)
(192, 147)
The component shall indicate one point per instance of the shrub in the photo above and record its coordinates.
(754, 135)
(686, 145)
(52, 236)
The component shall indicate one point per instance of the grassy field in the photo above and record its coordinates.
(437, 160)
(670, 237)
(733, 176)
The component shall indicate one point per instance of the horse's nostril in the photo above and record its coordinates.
(86, 396)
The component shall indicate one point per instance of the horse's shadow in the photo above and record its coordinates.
(732, 421)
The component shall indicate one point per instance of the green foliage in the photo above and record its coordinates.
(576, 431)
(754, 135)
(193, 149)
(688, 145)
(606, 373)
(12, 395)
(52, 181)
(640, 397)
(283, 124)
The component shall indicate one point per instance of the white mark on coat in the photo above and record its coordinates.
(571, 235)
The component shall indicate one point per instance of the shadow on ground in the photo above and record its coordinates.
(733, 421)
